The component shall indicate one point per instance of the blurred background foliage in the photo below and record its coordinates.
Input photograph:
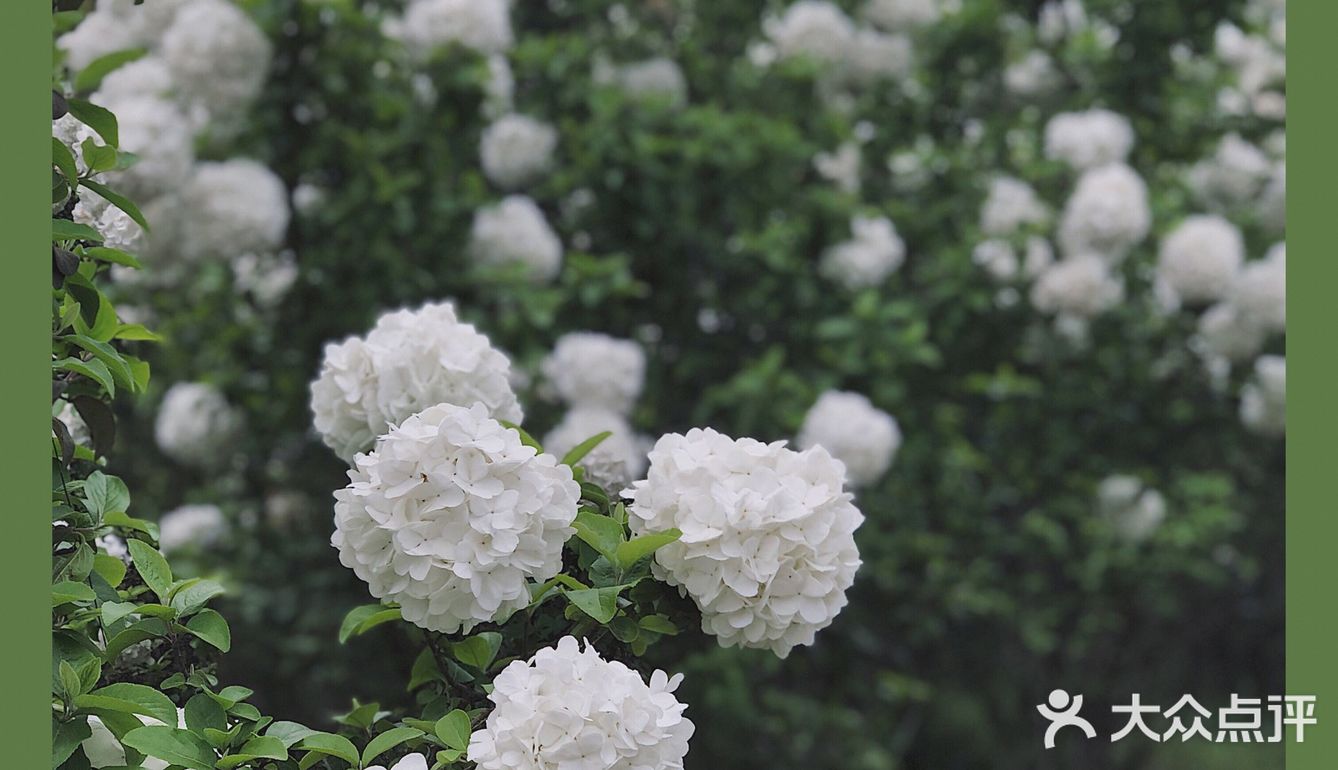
(695, 229)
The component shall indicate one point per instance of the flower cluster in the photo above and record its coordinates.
(1132, 509)
(1011, 204)
(768, 548)
(1263, 401)
(411, 359)
(656, 78)
(567, 707)
(1199, 259)
(450, 516)
(195, 425)
(1080, 287)
(616, 461)
(514, 231)
(516, 150)
(191, 526)
(481, 25)
(231, 208)
(1107, 213)
(1088, 139)
(874, 252)
(865, 439)
(590, 369)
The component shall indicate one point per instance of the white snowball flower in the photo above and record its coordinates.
(147, 76)
(450, 516)
(411, 359)
(1134, 510)
(1032, 75)
(114, 26)
(1260, 290)
(191, 526)
(1272, 205)
(515, 232)
(768, 547)
(874, 56)
(811, 28)
(840, 167)
(1201, 257)
(1009, 205)
(1234, 174)
(159, 134)
(569, 708)
(616, 462)
(481, 25)
(517, 150)
(1088, 139)
(657, 78)
(997, 257)
(407, 762)
(1081, 286)
(862, 437)
(900, 15)
(195, 424)
(593, 369)
(266, 277)
(230, 208)
(218, 57)
(1107, 213)
(1263, 401)
(875, 252)
(1225, 333)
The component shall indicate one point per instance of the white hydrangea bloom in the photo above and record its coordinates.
(516, 150)
(218, 57)
(811, 28)
(900, 15)
(655, 78)
(861, 436)
(1032, 75)
(116, 25)
(1233, 175)
(616, 461)
(768, 547)
(1263, 401)
(119, 231)
(569, 708)
(1134, 510)
(1201, 257)
(407, 762)
(1107, 213)
(1088, 139)
(1260, 290)
(481, 25)
(450, 516)
(596, 370)
(191, 526)
(411, 359)
(515, 232)
(1009, 205)
(1272, 205)
(1081, 286)
(195, 424)
(997, 257)
(230, 208)
(841, 167)
(159, 134)
(874, 55)
(1225, 333)
(148, 76)
(266, 277)
(874, 252)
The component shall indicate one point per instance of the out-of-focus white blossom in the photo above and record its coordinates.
(1200, 258)
(191, 527)
(1032, 75)
(903, 15)
(616, 461)
(1081, 286)
(1107, 213)
(874, 55)
(864, 438)
(266, 277)
(1088, 139)
(517, 150)
(841, 167)
(811, 28)
(1225, 333)
(230, 208)
(148, 76)
(569, 708)
(218, 57)
(595, 370)
(1263, 401)
(515, 232)
(1234, 174)
(116, 25)
(767, 550)
(411, 359)
(874, 252)
(195, 424)
(482, 25)
(1272, 205)
(1059, 19)
(997, 257)
(160, 136)
(1009, 205)
(1259, 290)
(656, 78)
(1134, 510)
(451, 515)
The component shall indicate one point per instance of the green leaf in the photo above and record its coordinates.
(66, 737)
(194, 595)
(63, 159)
(107, 355)
(203, 712)
(69, 230)
(152, 567)
(388, 740)
(71, 685)
(112, 256)
(69, 592)
(149, 628)
(120, 519)
(135, 333)
(212, 628)
(97, 157)
(94, 370)
(599, 532)
(599, 603)
(105, 493)
(289, 733)
(131, 699)
(453, 730)
(636, 549)
(330, 745)
(582, 449)
(478, 650)
(92, 74)
(259, 747)
(361, 619)
(176, 746)
(659, 624)
(100, 119)
(424, 670)
(119, 201)
(115, 611)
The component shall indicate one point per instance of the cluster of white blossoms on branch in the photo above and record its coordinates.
(1263, 401)
(195, 424)
(191, 526)
(656, 78)
(768, 548)
(591, 369)
(566, 707)
(874, 252)
(1133, 510)
(481, 25)
(1199, 259)
(1011, 204)
(864, 438)
(231, 208)
(616, 461)
(849, 52)
(411, 359)
(1085, 140)
(514, 231)
(451, 515)
(217, 57)
(1107, 213)
(1081, 286)
(517, 150)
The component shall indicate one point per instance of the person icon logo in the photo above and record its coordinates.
(1062, 711)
